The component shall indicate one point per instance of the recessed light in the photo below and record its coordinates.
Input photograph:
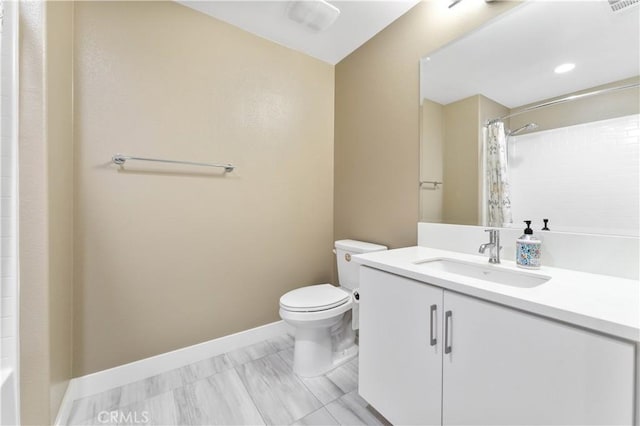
(561, 69)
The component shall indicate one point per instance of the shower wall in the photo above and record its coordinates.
(588, 148)
(584, 178)
(8, 195)
(9, 297)
(169, 256)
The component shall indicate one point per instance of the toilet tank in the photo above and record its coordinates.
(348, 271)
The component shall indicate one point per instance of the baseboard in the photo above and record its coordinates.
(101, 381)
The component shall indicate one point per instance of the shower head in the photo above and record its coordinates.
(525, 128)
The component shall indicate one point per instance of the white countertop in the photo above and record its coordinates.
(602, 303)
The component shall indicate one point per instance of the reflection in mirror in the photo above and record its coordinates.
(506, 138)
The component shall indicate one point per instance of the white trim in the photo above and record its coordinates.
(101, 381)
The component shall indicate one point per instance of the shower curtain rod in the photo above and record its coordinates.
(566, 99)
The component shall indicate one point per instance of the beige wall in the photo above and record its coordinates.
(377, 121)
(459, 126)
(431, 160)
(460, 189)
(166, 256)
(33, 210)
(60, 181)
(45, 174)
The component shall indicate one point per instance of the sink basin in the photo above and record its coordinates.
(489, 273)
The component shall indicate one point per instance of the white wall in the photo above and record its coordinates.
(584, 178)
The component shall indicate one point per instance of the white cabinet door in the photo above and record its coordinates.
(400, 368)
(510, 367)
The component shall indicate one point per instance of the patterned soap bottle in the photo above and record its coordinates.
(528, 249)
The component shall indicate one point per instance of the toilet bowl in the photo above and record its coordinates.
(322, 315)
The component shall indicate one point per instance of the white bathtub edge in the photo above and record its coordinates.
(8, 397)
(65, 405)
(101, 381)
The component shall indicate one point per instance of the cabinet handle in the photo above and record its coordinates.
(448, 318)
(433, 324)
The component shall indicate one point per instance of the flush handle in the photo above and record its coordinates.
(432, 333)
(347, 257)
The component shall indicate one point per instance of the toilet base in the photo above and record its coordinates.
(312, 360)
(319, 350)
(345, 356)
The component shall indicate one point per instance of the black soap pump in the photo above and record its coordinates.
(528, 249)
(546, 225)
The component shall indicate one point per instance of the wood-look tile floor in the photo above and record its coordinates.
(254, 385)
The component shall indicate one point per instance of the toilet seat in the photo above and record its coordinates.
(315, 298)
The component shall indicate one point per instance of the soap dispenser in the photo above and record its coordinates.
(528, 249)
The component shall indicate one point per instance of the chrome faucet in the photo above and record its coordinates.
(493, 244)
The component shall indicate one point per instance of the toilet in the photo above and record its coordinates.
(322, 315)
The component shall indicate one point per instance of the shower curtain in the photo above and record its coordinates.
(497, 181)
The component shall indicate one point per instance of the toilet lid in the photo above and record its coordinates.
(314, 298)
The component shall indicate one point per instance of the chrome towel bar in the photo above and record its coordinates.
(435, 183)
(120, 159)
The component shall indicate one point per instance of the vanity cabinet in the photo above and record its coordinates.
(503, 366)
(400, 370)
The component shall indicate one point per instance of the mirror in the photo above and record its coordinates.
(571, 139)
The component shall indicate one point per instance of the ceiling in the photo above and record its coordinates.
(357, 23)
(513, 57)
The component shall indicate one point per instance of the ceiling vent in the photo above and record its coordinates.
(317, 15)
(618, 5)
